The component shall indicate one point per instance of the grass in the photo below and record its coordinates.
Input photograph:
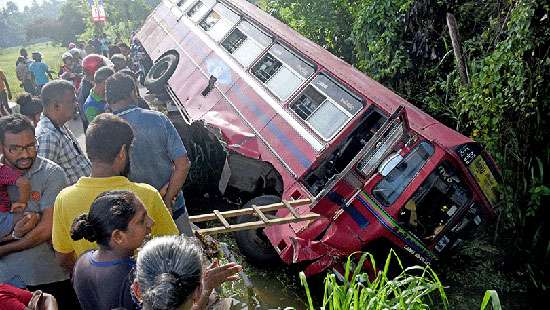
(413, 288)
(51, 55)
(416, 287)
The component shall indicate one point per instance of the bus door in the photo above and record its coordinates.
(338, 197)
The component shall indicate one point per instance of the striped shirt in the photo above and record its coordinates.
(59, 145)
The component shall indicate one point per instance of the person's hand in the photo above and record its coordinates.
(215, 274)
(168, 203)
(18, 207)
(26, 224)
(163, 190)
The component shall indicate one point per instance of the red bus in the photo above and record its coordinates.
(297, 122)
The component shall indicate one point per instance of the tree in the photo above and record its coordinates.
(70, 23)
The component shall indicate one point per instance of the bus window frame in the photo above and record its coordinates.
(182, 5)
(201, 17)
(327, 97)
(260, 55)
(239, 18)
(305, 80)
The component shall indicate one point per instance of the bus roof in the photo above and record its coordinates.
(375, 92)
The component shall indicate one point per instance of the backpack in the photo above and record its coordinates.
(22, 72)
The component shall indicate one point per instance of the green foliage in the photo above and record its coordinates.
(70, 23)
(413, 288)
(123, 17)
(325, 22)
(405, 44)
(378, 38)
(492, 296)
(16, 22)
(505, 106)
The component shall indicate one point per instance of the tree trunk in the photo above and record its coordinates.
(453, 31)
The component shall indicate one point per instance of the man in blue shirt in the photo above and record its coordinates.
(158, 156)
(40, 70)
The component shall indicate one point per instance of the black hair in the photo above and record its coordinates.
(20, 60)
(23, 52)
(32, 108)
(129, 72)
(23, 98)
(119, 86)
(54, 91)
(105, 136)
(103, 74)
(15, 123)
(110, 211)
(114, 49)
(168, 271)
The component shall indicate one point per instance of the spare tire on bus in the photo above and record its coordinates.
(160, 73)
(253, 243)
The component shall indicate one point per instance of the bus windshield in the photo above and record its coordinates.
(394, 183)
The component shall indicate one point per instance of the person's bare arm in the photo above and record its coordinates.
(66, 260)
(40, 234)
(8, 88)
(177, 179)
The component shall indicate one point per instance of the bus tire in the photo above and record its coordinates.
(253, 243)
(160, 73)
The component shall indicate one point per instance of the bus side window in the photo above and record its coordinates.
(199, 9)
(246, 43)
(282, 71)
(219, 22)
(326, 106)
(182, 2)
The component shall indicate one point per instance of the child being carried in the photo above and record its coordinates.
(12, 213)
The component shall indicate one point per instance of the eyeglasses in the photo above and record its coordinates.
(19, 149)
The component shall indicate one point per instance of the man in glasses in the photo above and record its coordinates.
(56, 142)
(29, 261)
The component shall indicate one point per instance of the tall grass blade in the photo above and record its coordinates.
(303, 280)
(491, 295)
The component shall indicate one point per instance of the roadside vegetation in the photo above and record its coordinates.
(414, 287)
(501, 100)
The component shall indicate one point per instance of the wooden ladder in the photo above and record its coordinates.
(258, 211)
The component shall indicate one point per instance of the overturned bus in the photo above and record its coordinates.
(286, 119)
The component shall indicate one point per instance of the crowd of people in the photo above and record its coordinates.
(71, 221)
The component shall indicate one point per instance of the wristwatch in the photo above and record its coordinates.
(14, 236)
